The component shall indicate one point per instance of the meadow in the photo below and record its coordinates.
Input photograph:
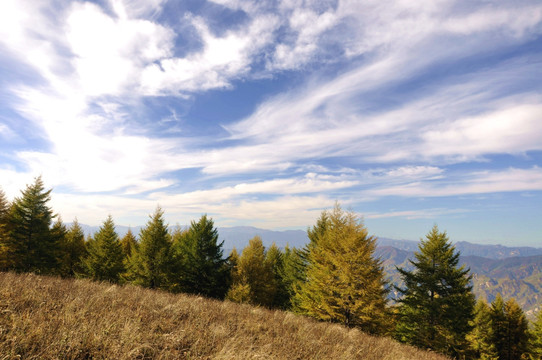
(52, 318)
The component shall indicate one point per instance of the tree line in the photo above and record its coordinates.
(335, 277)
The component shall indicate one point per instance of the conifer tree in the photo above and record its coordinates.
(29, 245)
(293, 274)
(345, 282)
(128, 243)
(437, 303)
(4, 211)
(255, 274)
(481, 337)
(201, 267)
(105, 260)
(74, 250)
(151, 262)
(536, 342)
(233, 261)
(59, 233)
(510, 329)
(239, 290)
(275, 258)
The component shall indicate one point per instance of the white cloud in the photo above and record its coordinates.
(484, 182)
(280, 211)
(407, 172)
(307, 27)
(311, 183)
(137, 8)
(6, 132)
(222, 59)
(514, 129)
(91, 57)
(522, 19)
(110, 53)
(417, 214)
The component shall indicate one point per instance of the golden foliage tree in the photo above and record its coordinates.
(344, 281)
(253, 277)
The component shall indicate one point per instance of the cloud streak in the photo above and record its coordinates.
(372, 101)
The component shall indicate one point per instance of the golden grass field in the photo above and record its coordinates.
(52, 318)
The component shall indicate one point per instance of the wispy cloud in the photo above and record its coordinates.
(381, 99)
(469, 183)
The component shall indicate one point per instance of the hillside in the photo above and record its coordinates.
(50, 318)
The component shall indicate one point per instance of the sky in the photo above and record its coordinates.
(265, 113)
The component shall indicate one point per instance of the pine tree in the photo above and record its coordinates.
(510, 329)
(255, 274)
(201, 267)
(481, 337)
(129, 243)
(29, 245)
(293, 274)
(4, 212)
(151, 263)
(239, 291)
(59, 233)
(345, 283)
(105, 260)
(275, 258)
(536, 342)
(437, 304)
(74, 250)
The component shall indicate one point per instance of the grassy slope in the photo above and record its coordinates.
(50, 318)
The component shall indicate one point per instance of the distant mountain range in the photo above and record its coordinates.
(518, 277)
(514, 272)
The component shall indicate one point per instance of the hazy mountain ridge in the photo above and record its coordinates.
(238, 237)
(516, 277)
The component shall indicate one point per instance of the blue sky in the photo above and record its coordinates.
(264, 113)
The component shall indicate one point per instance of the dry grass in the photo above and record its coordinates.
(50, 318)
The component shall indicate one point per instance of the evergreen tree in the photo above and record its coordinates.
(293, 274)
(201, 267)
(275, 258)
(437, 304)
(481, 337)
(536, 343)
(510, 329)
(59, 233)
(128, 243)
(105, 260)
(255, 274)
(4, 212)
(151, 262)
(29, 244)
(345, 283)
(239, 291)
(74, 250)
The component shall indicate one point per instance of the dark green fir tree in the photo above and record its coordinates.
(4, 212)
(74, 250)
(437, 304)
(29, 244)
(201, 267)
(150, 263)
(105, 260)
